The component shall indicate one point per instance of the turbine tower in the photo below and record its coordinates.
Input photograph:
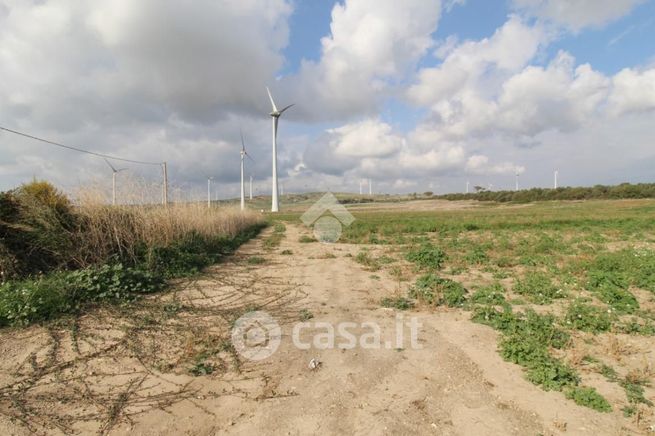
(556, 174)
(114, 171)
(209, 191)
(275, 115)
(251, 187)
(244, 153)
(370, 187)
(517, 180)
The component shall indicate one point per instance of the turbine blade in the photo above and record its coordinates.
(110, 166)
(271, 97)
(246, 153)
(286, 108)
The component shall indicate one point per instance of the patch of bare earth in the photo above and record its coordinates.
(129, 371)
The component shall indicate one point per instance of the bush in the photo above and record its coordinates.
(438, 291)
(427, 256)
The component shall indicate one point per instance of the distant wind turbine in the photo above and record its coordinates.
(209, 191)
(517, 180)
(275, 114)
(244, 153)
(370, 187)
(556, 174)
(113, 181)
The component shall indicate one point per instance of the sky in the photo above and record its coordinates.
(415, 95)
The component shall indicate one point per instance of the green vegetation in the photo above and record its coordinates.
(306, 239)
(256, 260)
(624, 190)
(538, 288)
(427, 256)
(588, 397)
(305, 315)
(491, 295)
(275, 238)
(400, 303)
(587, 318)
(434, 290)
(56, 258)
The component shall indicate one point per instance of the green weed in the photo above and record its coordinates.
(435, 290)
(588, 397)
(538, 288)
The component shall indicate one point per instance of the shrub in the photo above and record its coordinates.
(427, 256)
(438, 291)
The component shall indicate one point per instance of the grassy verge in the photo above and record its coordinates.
(67, 292)
(57, 257)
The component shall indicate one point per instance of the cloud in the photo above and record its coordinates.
(632, 91)
(479, 164)
(373, 45)
(577, 14)
(510, 48)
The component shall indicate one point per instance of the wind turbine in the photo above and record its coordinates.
(556, 174)
(275, 115)
(209, 191)
(370, 187)
(251, 187)
(517, 180)
(244, 153)
(113, 181)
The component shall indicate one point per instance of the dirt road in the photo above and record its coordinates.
(456, 383)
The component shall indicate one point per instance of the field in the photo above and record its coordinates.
(536, 318)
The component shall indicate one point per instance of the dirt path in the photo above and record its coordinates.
(454, 384)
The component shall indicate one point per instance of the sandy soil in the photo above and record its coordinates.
(113, 374)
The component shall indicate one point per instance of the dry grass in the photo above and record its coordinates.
(109, 230)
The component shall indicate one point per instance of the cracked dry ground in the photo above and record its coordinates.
(129, 370)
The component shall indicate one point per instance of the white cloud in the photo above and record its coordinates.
(577, 14)
(373, 44)
(632, 91)
(479, 164)
(510, 48)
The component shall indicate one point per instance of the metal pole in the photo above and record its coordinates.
(165, 187)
